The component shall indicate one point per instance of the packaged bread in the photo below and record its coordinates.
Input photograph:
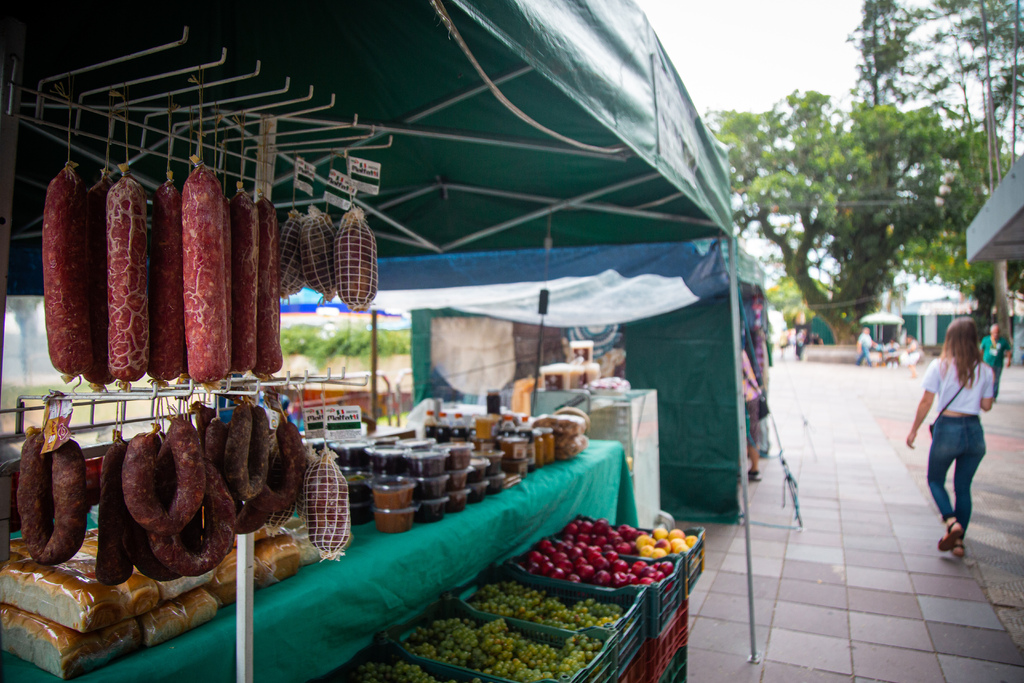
(222, 585)
(569, 433)
(70, 595)
(174, 617)
(62, 651)
(280, 558)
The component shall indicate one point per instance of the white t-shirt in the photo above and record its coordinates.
(943, 382)
(864, 342)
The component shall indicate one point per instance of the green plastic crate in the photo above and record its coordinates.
(676, 670)
(388, 653)
(601, 670)
(631, 626)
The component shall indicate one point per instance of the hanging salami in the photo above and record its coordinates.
(355, 261)
(166, 287)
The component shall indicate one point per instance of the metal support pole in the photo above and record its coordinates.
(243, 608)
(12, 51)
(741, 430)
(373, 364)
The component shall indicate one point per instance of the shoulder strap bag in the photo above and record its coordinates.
(931, 427)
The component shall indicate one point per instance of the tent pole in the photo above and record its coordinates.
(741, 430)
(373, 365)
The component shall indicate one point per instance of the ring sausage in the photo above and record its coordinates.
(136, 543)
(65, 277)
(250, 519)
(246, 461)
(218, 517)
(291, 461)
(216, 441)
(139, 478)
(96, 234)
(127, 300)
(204, 416)
(51, 500)
(113, 564)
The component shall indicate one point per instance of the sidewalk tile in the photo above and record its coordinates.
(774, 672)
(826, 621)
(821, 594)
(762, 566)
(810, 650)
(818, 572)
(886, 630)
(894, 664)
(883, 545)
(736, 584)
(963, 670)
(735, 608)
(858, 528)
(947, 587)
(914, 531)
(944, 565)
(976, 643)
(717, 667)
(774, 549)
(814, 553)
(920, 546)
(764, 533)
(729, 637)
(880, 602)
(962, 612)
(875, 560)
(879, 579)
(819, 538)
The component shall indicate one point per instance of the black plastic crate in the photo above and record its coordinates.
(386, 652)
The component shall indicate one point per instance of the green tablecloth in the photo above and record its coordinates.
(315, 621)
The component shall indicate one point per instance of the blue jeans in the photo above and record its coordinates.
(862, 356)
(960, 440)
(997, 373)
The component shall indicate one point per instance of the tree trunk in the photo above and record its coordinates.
(843, 329)
(1001, 297)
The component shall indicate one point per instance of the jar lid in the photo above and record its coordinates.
(417, 444)
(387, 451)
(479, 463)
(435, 501)
(392, 483)
(397, 511)
(437, 478)
(349, 445)
(458, 446)
(425, 455)
(385, 440)
(545, 430)
(514, 439)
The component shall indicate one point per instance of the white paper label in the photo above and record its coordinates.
(314, 419)
(344, 423)
(340, 181)
(364, 175)
(304, 168)
(303, 186)
(335, 200)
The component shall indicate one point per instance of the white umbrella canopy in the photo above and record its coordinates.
(881, 318)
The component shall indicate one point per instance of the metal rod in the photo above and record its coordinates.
(133, 103)
(336, 151)
(501, 227)
(111, 62)
(408, 196)
(423, 242)
(149, 79)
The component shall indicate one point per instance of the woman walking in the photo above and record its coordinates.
(963, 385)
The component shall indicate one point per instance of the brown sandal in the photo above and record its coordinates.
(954, 532)
(958, 548)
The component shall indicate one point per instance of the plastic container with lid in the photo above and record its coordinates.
(425, 463)
(457, 500)
(457, 478)
(392, 493)
(384, 440)
(358, 484)
(430, 487)
(395, 521)
(482, 444)
(351, 453)
(360, 513)
(520, 467)
(432, 510)
(494, 458)
(417, 444)
(459, 455)
(479, 466)
(478, 491)
(387, 460)
(514, 448)
(495, 484)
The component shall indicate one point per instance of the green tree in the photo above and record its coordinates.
(840, 192)
(785, 296)
(320, 345)
(883, 41)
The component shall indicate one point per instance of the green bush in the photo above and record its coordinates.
(352, 342)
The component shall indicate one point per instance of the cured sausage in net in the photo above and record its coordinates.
(317, 246)
(325, 504)
(355, 261)
(292, 279)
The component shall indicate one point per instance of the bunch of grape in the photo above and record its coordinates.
(496, 650)
(399, 672)
(512, 599)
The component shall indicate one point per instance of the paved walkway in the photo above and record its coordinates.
(862, 594)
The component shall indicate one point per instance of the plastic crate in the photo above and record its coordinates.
(636, 672)
(660, 652)
(676, 671)
(388, 653)
(631, 626)
(600, 670)
(694, 560)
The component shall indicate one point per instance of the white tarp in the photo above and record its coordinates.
(604, 299)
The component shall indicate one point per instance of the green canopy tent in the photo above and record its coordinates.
(632, 161)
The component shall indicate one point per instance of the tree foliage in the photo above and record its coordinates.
(320, 345)
(883, 41)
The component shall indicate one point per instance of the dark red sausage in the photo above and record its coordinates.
(204, 416)
(51, 500)
(280, 495)
(250, 519)
(166, 288)
(218, 516)
(268, 301)
(246, 461)
(65, 275)
(202, 218)
(226, 236)
(113, 564)
(136, 543)
(96, 234)
(127, 299)
(140, 485)
(244, 261)
(216, 440)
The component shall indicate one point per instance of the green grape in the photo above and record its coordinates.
(511, 599)
(397, 672)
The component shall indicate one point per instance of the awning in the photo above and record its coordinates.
(997, 232)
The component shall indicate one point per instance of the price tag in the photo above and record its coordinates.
(343, 423)
(314, 419)
(272, 404)
(304, 168)
(56, 423)
(335, 200)
(364, 175)
(303, 186)
(340, 181)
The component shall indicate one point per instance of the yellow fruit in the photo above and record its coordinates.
(691, 541)
(676, 533)
(644, 540)
(660, 533)
(658, 553)
(678, 545)
(648, 551)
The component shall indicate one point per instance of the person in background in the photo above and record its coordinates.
(995, 351)
(751, 394)
(913, 356)
(963, 385)
(801, 342)
(864, 345)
